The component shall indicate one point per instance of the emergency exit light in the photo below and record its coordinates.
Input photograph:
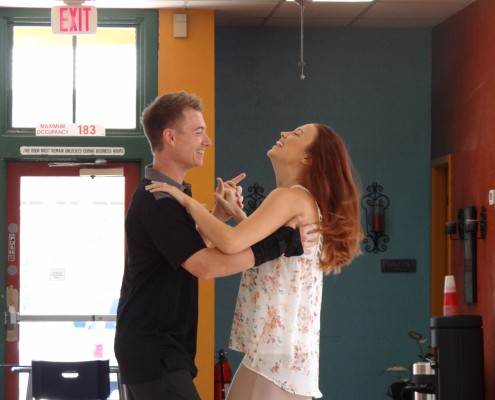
(74, 20)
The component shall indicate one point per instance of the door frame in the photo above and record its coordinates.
(441, 210)
(14, 171)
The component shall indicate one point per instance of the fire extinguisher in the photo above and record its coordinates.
(223, 376)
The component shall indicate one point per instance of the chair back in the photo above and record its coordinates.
(78, 380)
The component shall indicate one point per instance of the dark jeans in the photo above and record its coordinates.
(173, 385)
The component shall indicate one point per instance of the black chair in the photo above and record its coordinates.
(80, 380)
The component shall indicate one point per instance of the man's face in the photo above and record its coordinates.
(191, 139)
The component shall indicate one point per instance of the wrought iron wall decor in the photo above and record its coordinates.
(255, 197)
(466, 229)
(375, 204)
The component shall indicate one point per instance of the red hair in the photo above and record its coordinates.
(330, 179)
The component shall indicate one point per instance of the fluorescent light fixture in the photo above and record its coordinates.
(333, 1)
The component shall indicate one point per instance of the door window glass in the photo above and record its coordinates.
(71, 258)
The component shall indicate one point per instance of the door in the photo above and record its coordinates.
(65, 260)
(440, 255)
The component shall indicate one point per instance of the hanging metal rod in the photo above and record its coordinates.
(301, 62)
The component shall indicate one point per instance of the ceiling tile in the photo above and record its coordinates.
(272, 13)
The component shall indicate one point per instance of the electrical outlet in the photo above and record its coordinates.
(491, 197)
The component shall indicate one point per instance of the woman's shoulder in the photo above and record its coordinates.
(300, 187)
(293, 192)
(296, 198)
(301, 191)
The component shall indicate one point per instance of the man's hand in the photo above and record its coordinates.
(228, 199)
(231, 203)
(309, 233)
(232, 184)
(309, 236)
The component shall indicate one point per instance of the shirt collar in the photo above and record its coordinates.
(154, 175)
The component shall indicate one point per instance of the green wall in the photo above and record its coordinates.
(373, 87)
(134, 143)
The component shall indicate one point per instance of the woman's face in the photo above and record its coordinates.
(292, 145)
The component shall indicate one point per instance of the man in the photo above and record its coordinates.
(155, 340)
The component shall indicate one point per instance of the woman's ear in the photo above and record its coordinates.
(306, 160)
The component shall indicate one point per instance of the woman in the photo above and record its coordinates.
(277, 318)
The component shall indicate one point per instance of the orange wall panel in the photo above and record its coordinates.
(189, 64)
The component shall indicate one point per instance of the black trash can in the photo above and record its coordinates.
(457, 341)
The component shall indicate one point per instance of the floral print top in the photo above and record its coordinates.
(277, 321)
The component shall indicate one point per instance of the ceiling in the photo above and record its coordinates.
(280, 13)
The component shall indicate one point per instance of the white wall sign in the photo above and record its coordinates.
(74, 20)
(56, 274)
(71, 151)
(89, 130)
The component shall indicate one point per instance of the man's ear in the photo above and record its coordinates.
(168, 136)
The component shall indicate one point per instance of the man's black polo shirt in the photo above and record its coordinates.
(157, 315)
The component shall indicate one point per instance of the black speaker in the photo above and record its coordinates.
(457, 342)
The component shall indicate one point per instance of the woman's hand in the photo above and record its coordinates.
(233, 184)
(179, 195)
(229, 199)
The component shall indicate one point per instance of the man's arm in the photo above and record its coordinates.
(212, 263)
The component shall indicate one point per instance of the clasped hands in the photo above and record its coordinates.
(229, 203)
(228, 197)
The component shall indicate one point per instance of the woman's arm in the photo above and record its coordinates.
(228, 202)
(279, 207)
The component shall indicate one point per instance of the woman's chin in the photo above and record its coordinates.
(272, 150)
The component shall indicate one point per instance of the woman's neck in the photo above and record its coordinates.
(288, 175)
(287, 179)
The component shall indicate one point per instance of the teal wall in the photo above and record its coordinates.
(373, 87)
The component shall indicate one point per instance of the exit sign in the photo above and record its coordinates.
(74, 20)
